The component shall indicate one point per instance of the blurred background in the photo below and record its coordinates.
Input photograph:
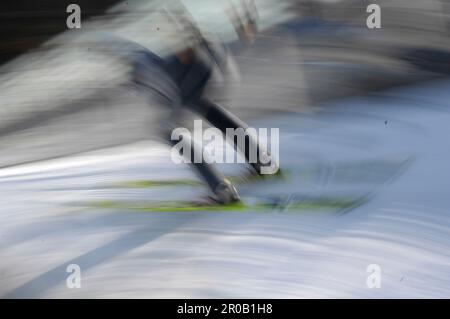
(363, 115)
(306, 53)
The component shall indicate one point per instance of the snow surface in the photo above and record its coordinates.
(353, 146)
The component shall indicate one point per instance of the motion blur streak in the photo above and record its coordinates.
(363, 117)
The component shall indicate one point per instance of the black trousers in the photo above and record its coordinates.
(222, 119)
(191, 81)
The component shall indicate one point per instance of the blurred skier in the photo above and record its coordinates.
(190, 70)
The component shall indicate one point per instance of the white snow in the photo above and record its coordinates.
(404, 228)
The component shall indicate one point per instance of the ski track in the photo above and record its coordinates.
(404, 228)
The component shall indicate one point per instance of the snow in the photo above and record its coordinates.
(404, 227)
